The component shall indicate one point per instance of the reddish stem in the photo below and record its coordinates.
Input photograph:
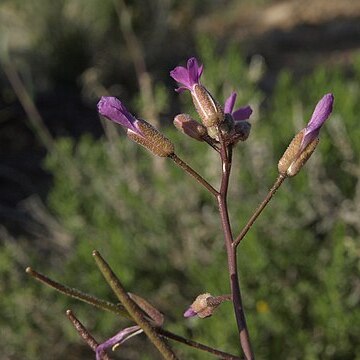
(226, 157)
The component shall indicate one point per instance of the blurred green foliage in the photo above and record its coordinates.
(299, 265)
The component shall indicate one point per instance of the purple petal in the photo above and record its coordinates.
(194, 70)
(189, 313)
(181, 75)
(229, 103)
(200, 71)
(113, 109)
(119, 338)
(189, 76)
(322, 111)
(180, 89)
(242, 113)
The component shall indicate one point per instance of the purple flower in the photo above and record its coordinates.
(118, 339)
(137, 130)
(304, 143)
(189, 76)
(114, 110)
(240, 114)
(322, 111)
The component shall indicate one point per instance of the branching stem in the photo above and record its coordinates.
(258, 211)
(79, 295)
(226, 158)
(132, 308)
(119, 310)
(85, 335)
(196, 345)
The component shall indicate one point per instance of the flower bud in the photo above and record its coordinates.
(227, 125)
(210, 112)
(295, 157)
(200, 307)
(241, 131)
(305, 142)
(226, 128)
(205, 304)
(151, 139)
(190, 127)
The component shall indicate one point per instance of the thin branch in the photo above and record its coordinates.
(79, 295)
(114, 308)
(149, 310)
(132, 308)
(183, 165)
(196, 345)
(84, 333)
(260, 208)
(211, 142)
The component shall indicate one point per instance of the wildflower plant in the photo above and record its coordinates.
(222, 128)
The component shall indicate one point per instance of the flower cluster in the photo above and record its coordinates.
(222, 127)
(214, 117)
(216, 120)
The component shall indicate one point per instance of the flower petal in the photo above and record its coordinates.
(189, 76)
(321, 113)
(229, 103)
(180, 89)
(242, 113)
(194, 70)
(181, 75)
(189, 313)
(118, 339)
(113, 109)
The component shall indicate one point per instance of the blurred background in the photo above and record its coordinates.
(71, 183)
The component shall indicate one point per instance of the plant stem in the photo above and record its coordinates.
(77, 294)
(234, 282)
(119, 310)
(260, 208)
(196, 345)
(84, 333)
(226, 158)
(193, 173)
(132, 308)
